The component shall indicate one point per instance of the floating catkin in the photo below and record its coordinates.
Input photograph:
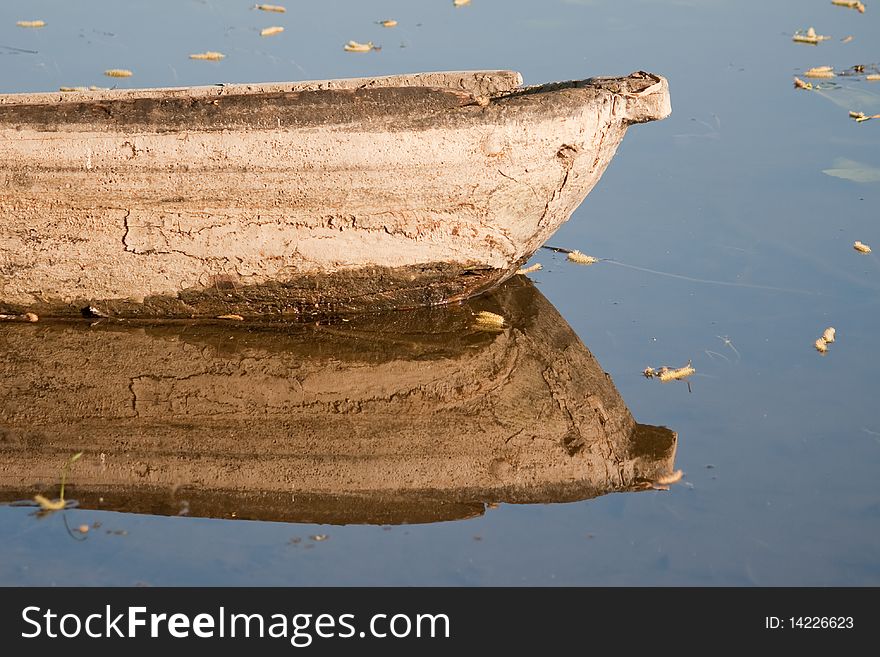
(676, 374)
(528, 270)
(489, 321)
(581, 258)
(210, 56)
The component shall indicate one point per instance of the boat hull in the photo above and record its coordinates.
(304, 199)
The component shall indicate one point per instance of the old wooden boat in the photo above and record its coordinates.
(330, 196)
(388, 418)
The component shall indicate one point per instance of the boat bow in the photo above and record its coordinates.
(307, 198)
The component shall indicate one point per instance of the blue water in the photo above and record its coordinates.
(727, 199)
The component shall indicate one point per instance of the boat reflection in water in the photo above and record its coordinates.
(396, 418)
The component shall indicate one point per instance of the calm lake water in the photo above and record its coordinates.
(730, 226)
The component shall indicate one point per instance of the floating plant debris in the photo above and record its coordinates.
(355, 46)
(800, 84)
(666, 373)
(861, 247)
(269, 31)
(237, 318)
(118, 73)
(809, 36)
(56, 505)
(489, 321)
(210, 56)
(847, 38)
(49, 505)
(31, 23)
(820, 72)
(528, 270)
(859, 117)
(676, 374)
(671, 478)
(276, 8)
(581, 258)
(27, 317)
(850, 4)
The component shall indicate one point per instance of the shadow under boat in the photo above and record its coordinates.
(405, 417)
